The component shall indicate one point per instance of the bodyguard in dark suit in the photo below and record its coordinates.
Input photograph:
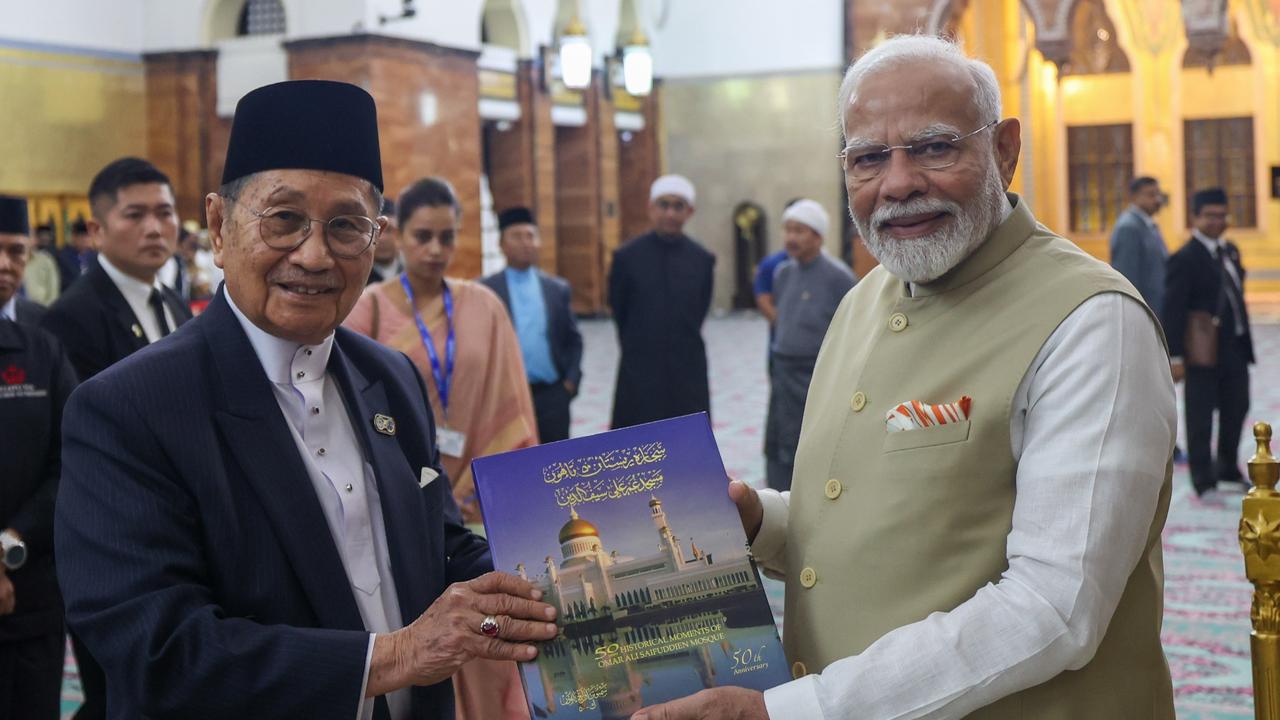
(35, 380)
(118, 306)
(252, 521)
(1138, 249)
(1206, 275)
(540, 310)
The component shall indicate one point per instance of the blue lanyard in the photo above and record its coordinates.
(443, 379)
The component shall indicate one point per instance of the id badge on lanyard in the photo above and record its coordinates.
(450, 442)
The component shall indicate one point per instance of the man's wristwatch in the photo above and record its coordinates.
(13, 552)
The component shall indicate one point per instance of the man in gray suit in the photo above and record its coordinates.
(1137, 248)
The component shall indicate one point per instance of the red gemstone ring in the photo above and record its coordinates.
(489, 626)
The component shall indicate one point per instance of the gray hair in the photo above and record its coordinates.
(233, 189)
(904, 48)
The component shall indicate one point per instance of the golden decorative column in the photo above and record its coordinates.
(1260, 542)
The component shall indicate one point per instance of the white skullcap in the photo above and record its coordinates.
(809, 213)
(677, 185)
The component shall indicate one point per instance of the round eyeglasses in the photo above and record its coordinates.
(933, 152)
(286, 228)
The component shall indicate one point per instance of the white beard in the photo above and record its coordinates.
(927, 258)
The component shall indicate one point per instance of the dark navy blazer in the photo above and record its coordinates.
(193, 554)
(562, 327)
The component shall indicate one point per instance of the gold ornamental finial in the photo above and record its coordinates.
(576, 27)
(1264, 470)
(1260, 543)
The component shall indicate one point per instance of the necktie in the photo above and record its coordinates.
(157, 308)
(1231, 291)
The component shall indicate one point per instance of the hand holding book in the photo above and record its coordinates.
(749, 507)
(448, 634)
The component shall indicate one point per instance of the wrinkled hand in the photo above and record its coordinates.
(447, 635)
(7, 599)
(723, 703)
(749, 507)
(1179, 371)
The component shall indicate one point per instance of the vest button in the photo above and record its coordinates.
(858, 402)
(834, 488)
(808, 577)
(798, 670)
(898, 322)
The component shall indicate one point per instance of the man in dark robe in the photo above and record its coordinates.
(660, 291)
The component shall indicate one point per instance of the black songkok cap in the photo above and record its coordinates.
(308, 125)
(1211, 196)
(13, 215)
(515, 216)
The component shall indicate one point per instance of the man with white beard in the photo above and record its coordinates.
(973, 528)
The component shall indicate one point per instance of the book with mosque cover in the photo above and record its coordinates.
(632, 535)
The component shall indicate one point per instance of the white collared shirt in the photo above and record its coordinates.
(138, 295)
(344, 482)
(9, 310)
(1088, 479)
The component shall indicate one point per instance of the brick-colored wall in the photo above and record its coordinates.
(538, 109)
(610, 220)
(578, 208)
(589, 191)
(639, 164)
(184, 134)
(398, 73)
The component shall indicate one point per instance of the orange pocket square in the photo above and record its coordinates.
(916, 415)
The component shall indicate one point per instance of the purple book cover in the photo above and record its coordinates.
(632, 535)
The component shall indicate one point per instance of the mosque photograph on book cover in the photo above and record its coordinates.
(632, 536)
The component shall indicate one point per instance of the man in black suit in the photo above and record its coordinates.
(252, 521)
(35, 380)
(119, 306)
(75, 256)
(1206, 275)
(541, 313)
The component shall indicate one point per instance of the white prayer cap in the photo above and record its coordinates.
(808, 213)
(677, 185)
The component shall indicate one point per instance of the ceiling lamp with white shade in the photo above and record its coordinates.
(575, 56)
(637, 65)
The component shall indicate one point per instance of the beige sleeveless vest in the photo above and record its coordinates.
(886, 528)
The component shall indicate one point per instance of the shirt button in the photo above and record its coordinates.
(301, 375)
(308, 353)
(834, 488)
(348, 488)
(898, 322)
(858, 402)
(798, 670)
(315, 411)
(320, 452)
(808, 577)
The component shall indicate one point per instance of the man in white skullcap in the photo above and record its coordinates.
(807, 289)
(973, 527)
(660, 291)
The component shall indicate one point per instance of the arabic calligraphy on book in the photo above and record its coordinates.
(595, 476)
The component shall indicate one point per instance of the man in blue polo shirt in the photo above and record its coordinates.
(540, 310)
